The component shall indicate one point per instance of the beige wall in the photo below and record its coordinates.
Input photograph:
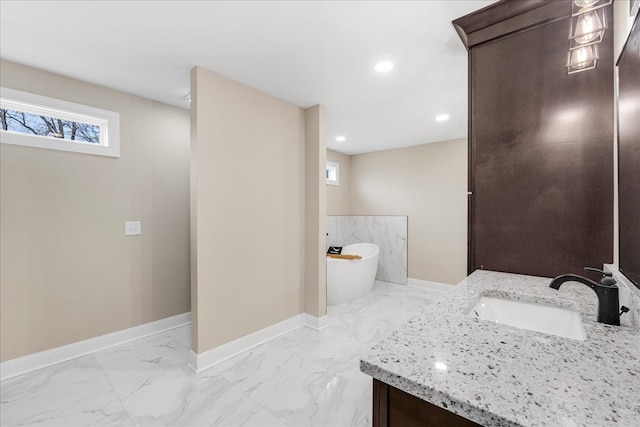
(338, 195)
(68, 272)
(622, 25)
(248, 200)
(315, 263)
(429, 184)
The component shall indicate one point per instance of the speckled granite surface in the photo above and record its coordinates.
(498, 375)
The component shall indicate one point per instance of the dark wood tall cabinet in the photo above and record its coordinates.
(629, 154)
(540, 142)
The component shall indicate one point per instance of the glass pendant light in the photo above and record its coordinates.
(581, 59)
(588, 24)
(588, 28)
(586, 31)
(585, 3)
(582, 6)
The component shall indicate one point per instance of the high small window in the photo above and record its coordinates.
(43, 122)
(333, 173)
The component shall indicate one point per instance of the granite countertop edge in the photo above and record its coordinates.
(463, 408)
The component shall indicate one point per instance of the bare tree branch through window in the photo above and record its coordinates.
(22, 122)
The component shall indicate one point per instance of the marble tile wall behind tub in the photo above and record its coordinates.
(388, 232)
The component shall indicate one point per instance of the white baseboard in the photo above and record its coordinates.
(198, 362)
(431, 286)
(317, 323)
(43, 359)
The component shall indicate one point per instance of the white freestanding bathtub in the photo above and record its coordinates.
(348, 280)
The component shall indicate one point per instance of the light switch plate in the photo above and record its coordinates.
(132, 228)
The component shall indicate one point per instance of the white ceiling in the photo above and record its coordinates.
(305, 52)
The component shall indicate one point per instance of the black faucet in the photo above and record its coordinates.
(606, 290)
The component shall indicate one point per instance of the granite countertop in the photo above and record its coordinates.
(497, 375)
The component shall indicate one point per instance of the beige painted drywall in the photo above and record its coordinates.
(248, 189)
(338, 195)
(622, 23)
(429, 184)
(315, 263)
(68, 272)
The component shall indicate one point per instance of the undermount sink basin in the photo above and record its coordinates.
(543, 318)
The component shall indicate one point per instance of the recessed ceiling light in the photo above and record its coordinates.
(341, 138)
(384, 66)
(442, 118)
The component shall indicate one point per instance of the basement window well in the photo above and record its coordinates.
(39, 121)
(333, 173)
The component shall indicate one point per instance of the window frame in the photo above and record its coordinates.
(107, 121)
(336, 166)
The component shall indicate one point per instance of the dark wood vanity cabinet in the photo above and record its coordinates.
(540, 142)
(393, 407)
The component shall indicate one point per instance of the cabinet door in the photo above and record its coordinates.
(395, 408)
(541, 155)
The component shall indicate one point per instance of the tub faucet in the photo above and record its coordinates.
(606, 290)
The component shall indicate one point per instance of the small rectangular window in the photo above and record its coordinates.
(37, 123)
(333, 173)
(43, 122)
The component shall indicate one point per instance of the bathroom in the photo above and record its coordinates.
(214, 311)
(428, 243)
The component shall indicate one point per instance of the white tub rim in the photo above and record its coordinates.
(350, 250)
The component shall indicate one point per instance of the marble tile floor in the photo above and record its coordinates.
(303, 378)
